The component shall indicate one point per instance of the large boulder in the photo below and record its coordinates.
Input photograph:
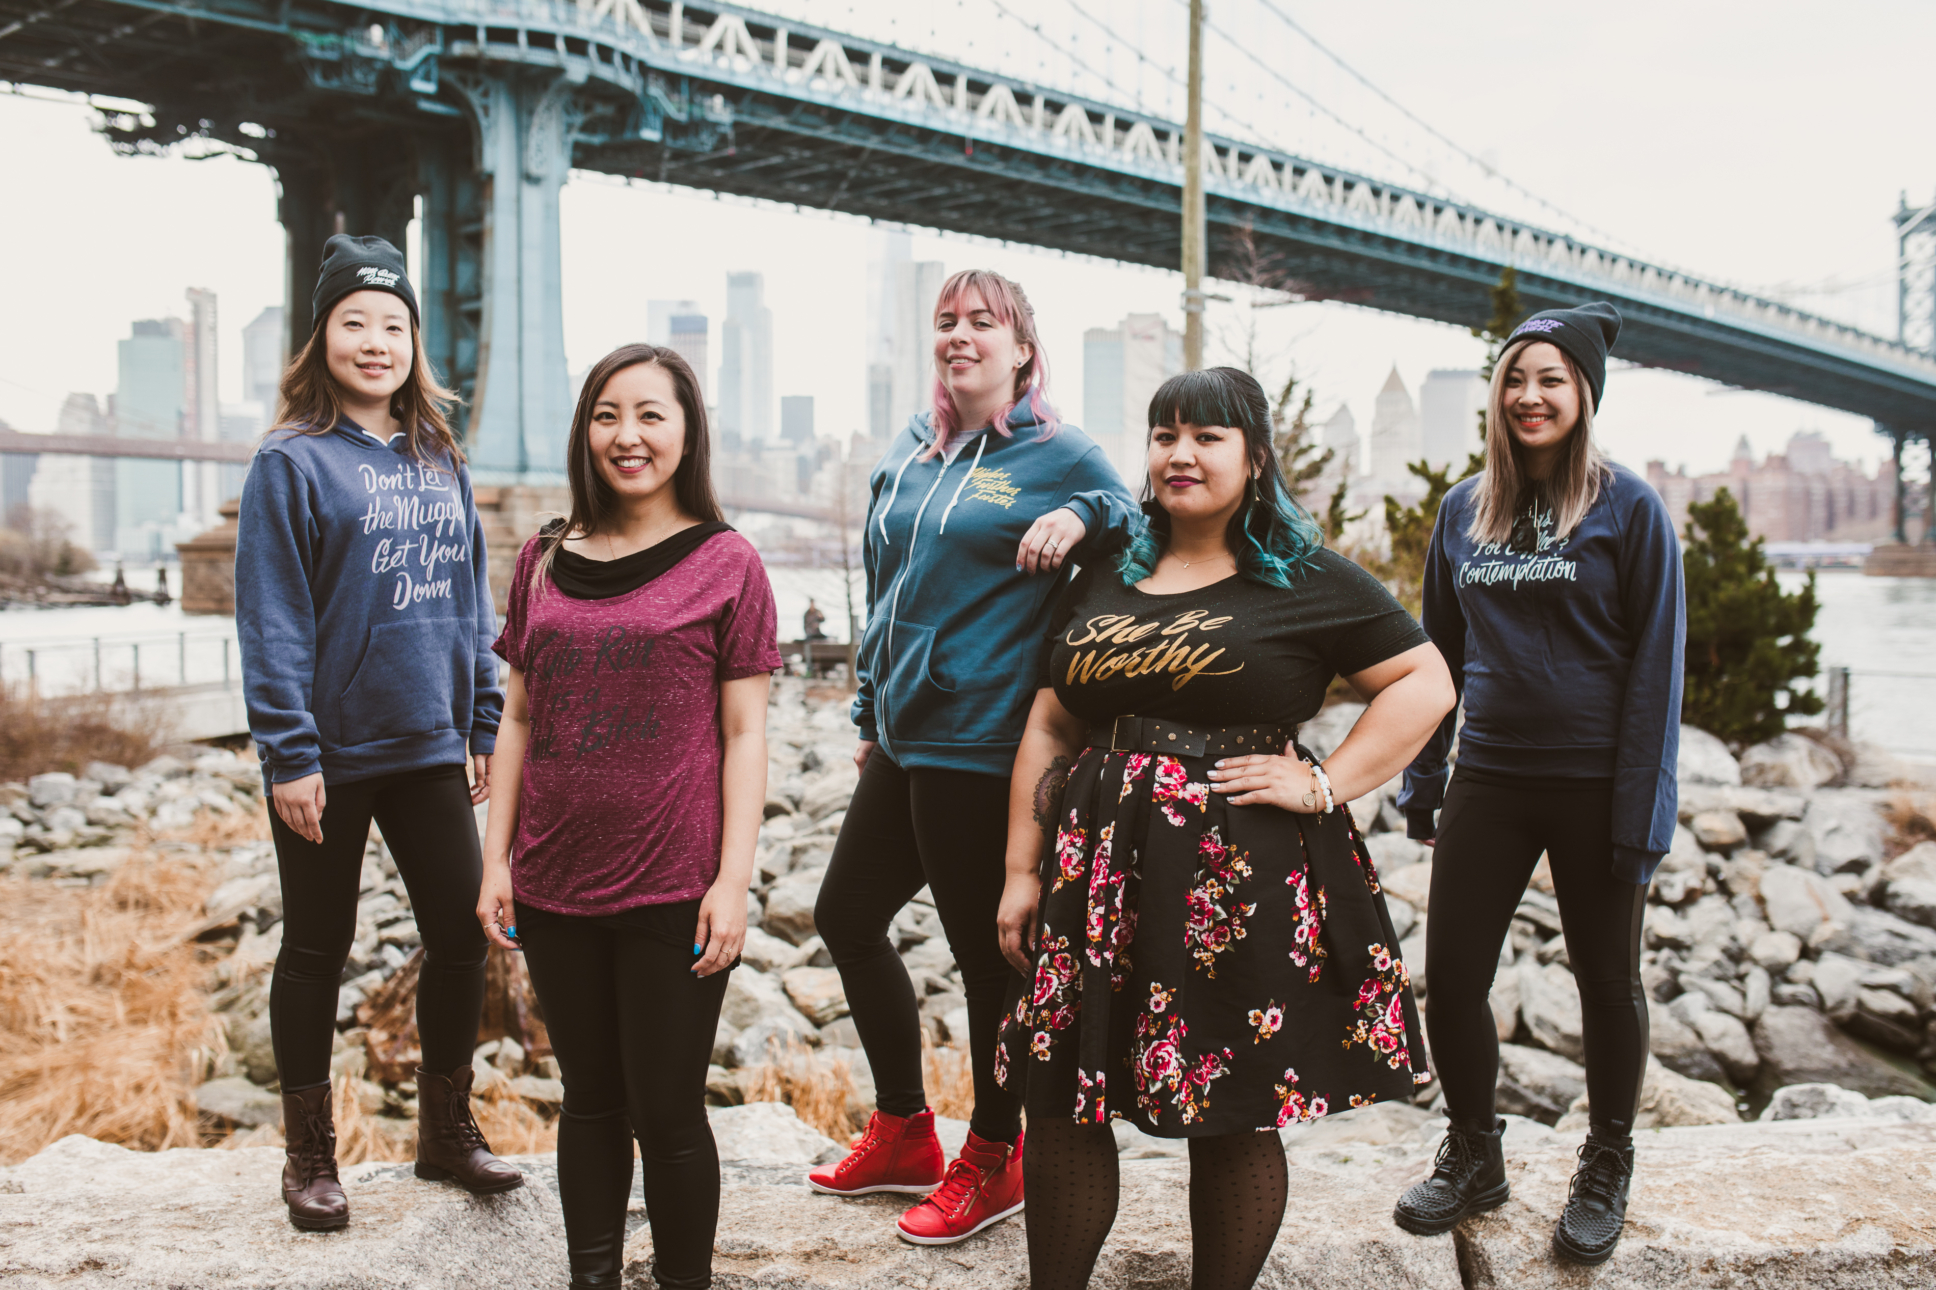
(1789, 761)
(769, 1133)
(1679, 1047)
(1705, 759)
(1800, 1046)
(1807, 1205)
(85, 1213)
(816, 992)
(1537, 1084)
(1849, 829)
(1667, 1101)
(1804, 904)
(1549, 1003)
(789, 905)
(1826, 1101)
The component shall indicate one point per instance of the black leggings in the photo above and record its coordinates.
(427, 822)
(947, 829)
(1490, 836)
(632, 1029)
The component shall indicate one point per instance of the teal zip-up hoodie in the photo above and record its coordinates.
(955, 634)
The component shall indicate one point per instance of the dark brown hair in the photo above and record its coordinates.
(593, 501)
(308, 401)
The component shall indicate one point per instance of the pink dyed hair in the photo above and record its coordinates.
(1011, 308)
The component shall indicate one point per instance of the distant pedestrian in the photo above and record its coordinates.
(1553, 587)
(971, 502)
(640, 639)
(1211, 955)
(364, 613)
(812, 622)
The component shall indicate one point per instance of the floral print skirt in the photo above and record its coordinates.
(1204, 968)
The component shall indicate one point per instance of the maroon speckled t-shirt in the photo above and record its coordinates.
(621, 797)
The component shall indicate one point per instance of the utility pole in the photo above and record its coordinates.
(1193, 209)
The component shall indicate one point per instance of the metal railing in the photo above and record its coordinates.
(121, 664)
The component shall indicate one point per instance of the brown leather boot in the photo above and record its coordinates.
(449, 1143)
(309, 1184)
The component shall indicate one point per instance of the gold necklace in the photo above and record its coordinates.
(1222, 555)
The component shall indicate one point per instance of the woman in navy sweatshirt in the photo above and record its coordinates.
(1553, 588)
(365, 619)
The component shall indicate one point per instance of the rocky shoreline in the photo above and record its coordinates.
(1790, 941)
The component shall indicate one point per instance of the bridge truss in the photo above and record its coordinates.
(479, 108)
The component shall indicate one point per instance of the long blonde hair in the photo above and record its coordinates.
(1570, 490)
(308, 401)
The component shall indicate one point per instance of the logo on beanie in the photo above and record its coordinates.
(375, 277)
(1541, 325)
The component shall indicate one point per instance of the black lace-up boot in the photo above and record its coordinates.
(1596, 1204)
(1469, 1177)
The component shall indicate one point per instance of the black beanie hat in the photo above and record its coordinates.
(359, 264)
(1586, 334)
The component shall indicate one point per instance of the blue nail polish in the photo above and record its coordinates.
(698, 949)
(512, 931)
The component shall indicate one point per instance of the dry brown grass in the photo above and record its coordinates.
(104, 1023)
(950, 1077)
(820, 1090)
(41, 734)
(1913, 818)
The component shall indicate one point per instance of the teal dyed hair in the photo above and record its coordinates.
(1272, 536)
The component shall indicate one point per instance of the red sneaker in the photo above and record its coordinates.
(983, 1186)
(895, 1153)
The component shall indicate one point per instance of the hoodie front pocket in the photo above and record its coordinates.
(413, 674)
(921, 708)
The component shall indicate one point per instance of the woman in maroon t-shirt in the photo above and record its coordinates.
(632, 760)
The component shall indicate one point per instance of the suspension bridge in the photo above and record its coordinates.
(472, 113)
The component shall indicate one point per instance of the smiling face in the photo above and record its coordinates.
(638, 431)
(976, 354)
(1198, 473)
(1542, 399)
(368, 347)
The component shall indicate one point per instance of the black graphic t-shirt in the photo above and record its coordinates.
(1236, 652)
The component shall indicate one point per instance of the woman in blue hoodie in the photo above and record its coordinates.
(1553, 588)
(976, 510)
(366, 621)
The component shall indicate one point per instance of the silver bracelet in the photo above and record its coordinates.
(1324, 782)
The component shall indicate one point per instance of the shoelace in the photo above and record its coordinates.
(858, 1149)
(317, 1158)
(957, 1186)
(1456, 1158)
(1602, 1170)
(461, 1125)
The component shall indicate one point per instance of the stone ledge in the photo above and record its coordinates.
(1827, 1204)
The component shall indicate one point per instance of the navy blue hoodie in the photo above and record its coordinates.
(363, 609)
(955, 635)
(1568, 659)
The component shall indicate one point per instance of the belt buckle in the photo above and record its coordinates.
(1115, 738)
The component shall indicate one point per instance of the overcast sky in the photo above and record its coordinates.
(1762, 144)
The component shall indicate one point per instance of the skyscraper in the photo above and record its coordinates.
(681, 325)
(796, 419)
(1121, 368)
(916, 289)
(746, 359)
(202, 410)
(150, 403)
(1395, 437)
(1449, 404)
(886, 248)
(1340, 435)
(263, 359)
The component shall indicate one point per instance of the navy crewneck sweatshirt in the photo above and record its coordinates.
(363, 608)
(1568, 660)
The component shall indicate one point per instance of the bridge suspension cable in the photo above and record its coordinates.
(1486, 167)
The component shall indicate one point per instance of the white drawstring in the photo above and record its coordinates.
(979, 445)
(896, 491)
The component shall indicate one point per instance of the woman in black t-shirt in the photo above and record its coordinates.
(1210, 953)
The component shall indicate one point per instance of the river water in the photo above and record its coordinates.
(1882, 629)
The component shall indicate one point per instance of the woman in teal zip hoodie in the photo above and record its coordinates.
(978, 512)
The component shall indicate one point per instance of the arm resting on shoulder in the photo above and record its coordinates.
(1050, 744)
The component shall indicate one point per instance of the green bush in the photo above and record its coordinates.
(1747, 639)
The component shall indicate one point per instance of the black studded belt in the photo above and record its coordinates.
(1154, 734)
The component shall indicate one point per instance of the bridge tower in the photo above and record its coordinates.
(1916, 329)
